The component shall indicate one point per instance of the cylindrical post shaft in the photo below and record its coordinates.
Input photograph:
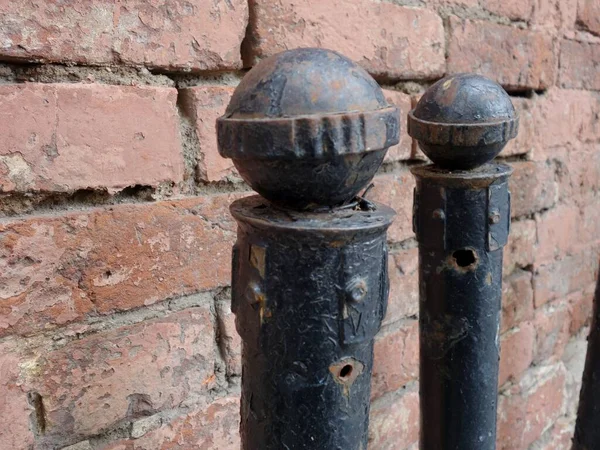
(462, 222)
(462, 219)
(309, 294)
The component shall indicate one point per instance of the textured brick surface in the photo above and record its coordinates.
(134, 370)
(516, 354)
(513, 57)
(391, 373)
(203, 105)
(396, 190)
(565, 116)
(513, 9)
(588, 15)
(63, 137)
(525, 141)
(517, 299)
(56, 269)
(399, 42)
(520, 250)
(530, 407)
(560, 277)
(404, 285)
(197, 34)
(15, 411)
(214, 427)
(574, 74)
(555, 16)
(557, 232)
(551, 330)
(533, 187)
(394, 421)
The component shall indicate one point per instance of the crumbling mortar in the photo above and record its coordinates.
(191, 147)
(44, 202)
(478, 13)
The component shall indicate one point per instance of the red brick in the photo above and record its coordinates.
(404, 285)
(552, 331)
(197, 34)
(579, 63)
(580, 306)
(403, 150)
(516, 352)
(394, 421)
(578, 173)
(63, 137)
(399, 42)
(558, 278)
(589, 226)
(229, 339)
(526, 410)
(554, 15)
(204, 104)
(396, 358)
(56, 269)
(563, 117)
(525, 141)
(520, 250)
(532, 187)
(588, 15)
(15, 431)
(95, 382)
(212, 428)
(515, 58)
(396, 190)
(557, 232)
(513, 9)
(558, 437)
(517, 299)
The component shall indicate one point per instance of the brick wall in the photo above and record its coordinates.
(115, 236)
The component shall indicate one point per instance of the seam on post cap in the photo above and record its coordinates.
(328, 135)
(462, 134)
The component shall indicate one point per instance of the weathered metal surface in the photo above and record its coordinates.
(461, 219)
(467, 112)
(587, 427)
(307, 129)
(309, 295)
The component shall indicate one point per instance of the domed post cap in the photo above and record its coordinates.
(307, 128)
(463, 121)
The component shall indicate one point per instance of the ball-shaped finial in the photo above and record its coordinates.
(463, 121)
(307, 128)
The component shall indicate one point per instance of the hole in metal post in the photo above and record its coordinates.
(465, 258)
(346, 371)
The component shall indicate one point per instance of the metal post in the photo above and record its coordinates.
(308, 129)
(587, 427)
(462, 219)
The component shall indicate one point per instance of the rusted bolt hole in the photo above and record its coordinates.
(464, 257)
(346, 371)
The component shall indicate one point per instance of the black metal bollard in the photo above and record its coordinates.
(462, 220)
(587, 427)
(307, 129)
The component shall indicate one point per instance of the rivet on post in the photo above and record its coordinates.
(308, 129)
(462, 220)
